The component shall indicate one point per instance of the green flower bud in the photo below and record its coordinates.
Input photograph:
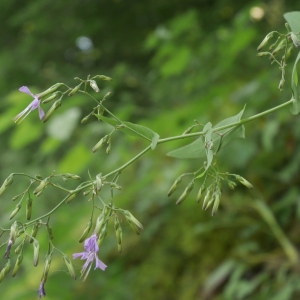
(36, 252)
(216, 203)
(243, 181)
(94, 86)
(265, 41)
(186, 192)
(231, 184)
(50, 232)
(19, 248)
(118, 231)
(69, 267)
(294, 39)
(17, 265)
(70, 197)
(47, 266)
(52, 89)
(40, 187)
(103, 233)
(85, 119)
(263, 54)
(72, 176)
(75, 89)
(52, 109)
(115, 186)
(174, 186)
(136, 226)
(7, 182)
(5, 270)
(102, 77)
(100, 221)
(201, 190)
(16, 210)
(28, 208)
(51, 98)
(99, 144)
(206, 198)
(34, 231)
(86, 231)
(98, 182)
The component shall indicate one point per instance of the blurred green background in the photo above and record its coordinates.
(171, 62)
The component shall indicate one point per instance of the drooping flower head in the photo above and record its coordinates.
(35, 104)
(90, 254)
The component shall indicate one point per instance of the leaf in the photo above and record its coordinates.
(293, 19)
(133, 130)
(197, 149)
(208, 144)
(192, 150)
(294, 83)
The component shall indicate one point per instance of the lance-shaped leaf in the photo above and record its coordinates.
(209, 144)
(133, 130)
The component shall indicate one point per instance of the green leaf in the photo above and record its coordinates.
(293, 19)
(192, 150)
(294, 83)
(197, 149)
(208, 144)
(133, 130)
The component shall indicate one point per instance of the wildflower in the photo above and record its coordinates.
(42, 289)
(32, 106)
(90, 254)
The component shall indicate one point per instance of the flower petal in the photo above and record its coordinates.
(26, 90)
(100, 264)
(41, 112)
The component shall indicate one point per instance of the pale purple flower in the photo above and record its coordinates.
(90, 254)
(41, 290)
(35, 104)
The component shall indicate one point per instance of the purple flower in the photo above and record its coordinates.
(41, 290)
(32, 106)
(90, 254)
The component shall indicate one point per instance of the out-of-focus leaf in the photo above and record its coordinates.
(293, 19)
(133, 130)
(285, 293)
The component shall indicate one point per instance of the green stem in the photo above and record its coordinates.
(289, 249)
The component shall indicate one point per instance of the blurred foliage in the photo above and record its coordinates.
(171, 62)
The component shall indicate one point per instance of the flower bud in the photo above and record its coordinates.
(118, 231)
(28, 208)
(86, 231)
(262, 54)
(99, 144)
(100, 221)
(216, 203)
(294, 39)
(47, 266)
(15, 211)
(186, 192)
(108, 149)
(102, 77)
(103, 233)
(50, 232)
(17, 265)
(174, 186)
(52, 109)
(75, 89)
(7, 182)
(85, 119)
(265, 41)
(70, 197)
(5, 270)
(36, 252)
(98, 182)
(51, 98)
(40, 187)
(206, 198)
(201, 190)
(115, 186)
(72, 176)
(136, 226)
(34, 231)
(52, 89)
(94, 86)
(231, 184)
(243, 181)
(69, 267)
(281, 84)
